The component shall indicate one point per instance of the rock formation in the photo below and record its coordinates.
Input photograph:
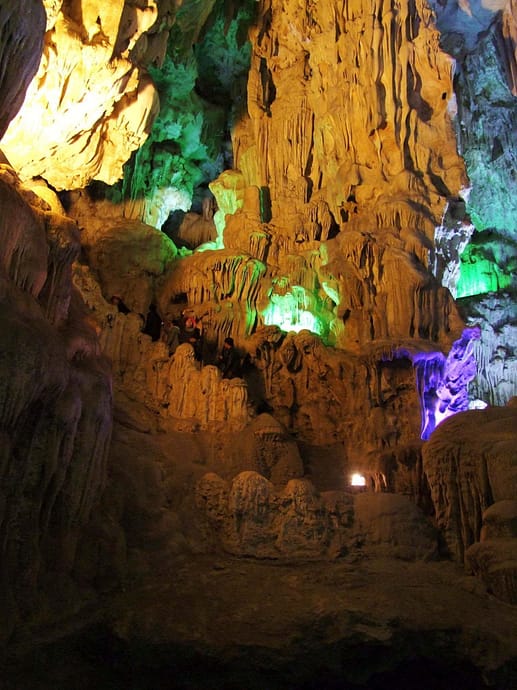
(331, 185)
(495, 556)
(470, 465)
(90, 104)
(251, 518)
(21, 39)
(56, 396)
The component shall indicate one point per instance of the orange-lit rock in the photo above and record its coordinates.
(355, 145)
(509, 40)
(393, 525)
(89, 106)
(470, 464)
(250, 517)
(128, 258)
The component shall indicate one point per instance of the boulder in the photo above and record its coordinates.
(494, 557)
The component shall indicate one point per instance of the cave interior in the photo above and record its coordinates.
(258, 333)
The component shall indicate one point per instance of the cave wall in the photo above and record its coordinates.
(471, 468)
(21, 39)
(316, 236)
(56, 398)
(387, 170)
(346, 214)
(481, 38)
(55, 393)
(303, 258)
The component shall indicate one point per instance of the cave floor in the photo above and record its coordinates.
(211, 621)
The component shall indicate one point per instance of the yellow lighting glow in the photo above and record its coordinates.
(358, 480)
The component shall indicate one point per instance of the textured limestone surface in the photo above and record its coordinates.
(55, 397)
(90, 104)
(350, 199)
(177, 606)
(21, 45)
(494, 557)
(482, 39)
(371, 622)
(471, 463)
(216, 518)
(251, 518)
(374, 608)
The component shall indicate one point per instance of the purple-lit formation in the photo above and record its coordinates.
(443, 382)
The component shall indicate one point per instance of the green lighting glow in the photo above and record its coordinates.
(487, 133)
(224, 56)
(200, 98)
(331, 292)
(481, 277)
(290, 312)
(488, 264)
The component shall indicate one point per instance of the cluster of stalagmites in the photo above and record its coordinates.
(252, 517)
(310, 386)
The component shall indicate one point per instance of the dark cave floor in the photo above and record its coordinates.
(221, 623)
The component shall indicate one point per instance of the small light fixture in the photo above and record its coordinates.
(358, 480)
